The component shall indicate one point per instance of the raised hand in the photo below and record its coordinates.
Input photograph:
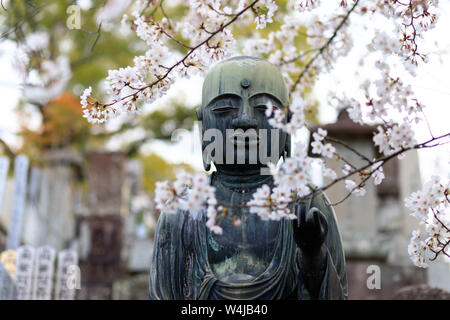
(310, 229)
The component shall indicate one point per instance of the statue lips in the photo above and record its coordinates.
(244, 139)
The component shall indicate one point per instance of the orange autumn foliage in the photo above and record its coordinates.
(62, 125)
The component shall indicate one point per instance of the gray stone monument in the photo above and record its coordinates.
(20, 190)
(67, 278)
(8, 288)
(4, 166)
(43, 273)
(24, 272)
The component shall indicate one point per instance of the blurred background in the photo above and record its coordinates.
(89, 188)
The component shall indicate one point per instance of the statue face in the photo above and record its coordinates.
(237, 133)
(236, 130)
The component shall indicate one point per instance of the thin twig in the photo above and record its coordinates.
(348, 147)
(182, 61)
(325, 46)
(99, 30)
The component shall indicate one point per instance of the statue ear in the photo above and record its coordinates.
(199, 114)
(287, 147)
(206, 162)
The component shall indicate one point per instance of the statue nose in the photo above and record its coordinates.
(245, 119)
(244, 123)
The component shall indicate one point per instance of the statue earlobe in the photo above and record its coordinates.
(206, 164)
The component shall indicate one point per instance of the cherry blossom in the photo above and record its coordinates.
(308, 5)
(378, 175)
(49, 82)
(190, 193)
(263, 19)
(351, 186)
(431, 205)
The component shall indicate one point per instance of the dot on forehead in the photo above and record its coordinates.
(245, 83)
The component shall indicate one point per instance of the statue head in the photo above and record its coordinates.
(235, 129)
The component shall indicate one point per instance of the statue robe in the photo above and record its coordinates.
(181, 268)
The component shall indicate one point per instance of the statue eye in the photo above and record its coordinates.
(223, 106)
(221, 109)
(261, 103)
(263, 107)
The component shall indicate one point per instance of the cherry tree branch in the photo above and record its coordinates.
(183, 60)
(363, 157)
(324, 47)
(361, 170)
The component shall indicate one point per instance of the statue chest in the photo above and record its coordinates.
(242, 252)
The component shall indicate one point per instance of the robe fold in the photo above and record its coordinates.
(181, 270)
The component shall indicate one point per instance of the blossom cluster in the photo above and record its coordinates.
(128, 85)
(271, 204)
(356, 188)
(394, 139)
(431, 206)
(44, 78)
(154, 72)
(263, 19)
(291, 180)
(306, 5)
(190, 193)
(417, 16)
(295, 112)
(326, 150)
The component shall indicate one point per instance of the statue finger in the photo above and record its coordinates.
(301, 214)
(321, 221)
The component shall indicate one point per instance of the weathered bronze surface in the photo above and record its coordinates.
(299, 259)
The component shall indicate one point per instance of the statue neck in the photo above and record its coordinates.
(243, 179)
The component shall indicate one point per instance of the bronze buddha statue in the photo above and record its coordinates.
(257, 259)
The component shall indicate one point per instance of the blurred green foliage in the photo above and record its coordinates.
(165, 170)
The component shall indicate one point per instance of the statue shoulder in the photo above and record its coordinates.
(175, 225)
(168, 219)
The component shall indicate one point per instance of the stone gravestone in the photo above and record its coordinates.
(43, 273)
(24, 272)
(15, 227)
(67, 279)
(101, 230)
(33, 187)
(8, 288)
(4, 166)
(33, 221)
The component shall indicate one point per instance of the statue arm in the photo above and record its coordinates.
(321, 261)
(166, 272)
